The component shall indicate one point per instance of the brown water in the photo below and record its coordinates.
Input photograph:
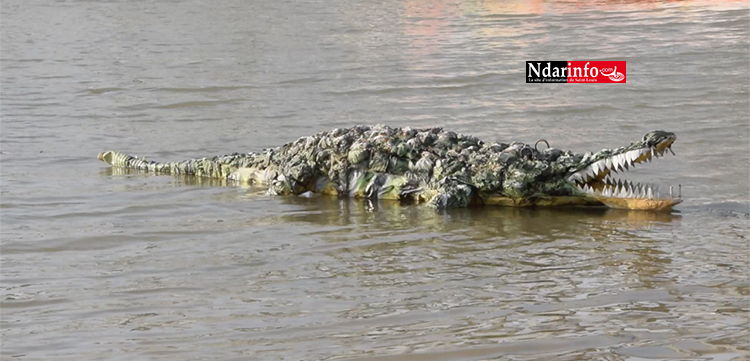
(103, 264)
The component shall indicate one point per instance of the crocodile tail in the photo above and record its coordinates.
(217, 167)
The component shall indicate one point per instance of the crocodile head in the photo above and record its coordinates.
(594, 176)
(553, 177)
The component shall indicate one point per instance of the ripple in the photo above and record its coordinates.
(101, 263)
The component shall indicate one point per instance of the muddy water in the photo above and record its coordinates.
(101, 264)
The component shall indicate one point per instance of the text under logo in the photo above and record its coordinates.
(576, 72)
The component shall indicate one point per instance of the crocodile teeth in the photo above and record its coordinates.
(621, 161)
(624, 189)
(596, 178)
(603, 168)
(590, 172)
(634, 155)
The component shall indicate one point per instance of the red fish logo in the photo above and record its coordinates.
(614, 75)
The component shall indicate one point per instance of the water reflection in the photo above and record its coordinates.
(437, 29)
(507, 222)
(497, 274)
(370, 235)
(541, 7)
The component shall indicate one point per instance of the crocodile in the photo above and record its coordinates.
(434, 166)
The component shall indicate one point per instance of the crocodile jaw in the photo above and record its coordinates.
(596, 180)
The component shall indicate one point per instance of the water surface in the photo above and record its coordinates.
(102, 264)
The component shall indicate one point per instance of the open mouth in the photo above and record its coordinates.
(597, 180)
